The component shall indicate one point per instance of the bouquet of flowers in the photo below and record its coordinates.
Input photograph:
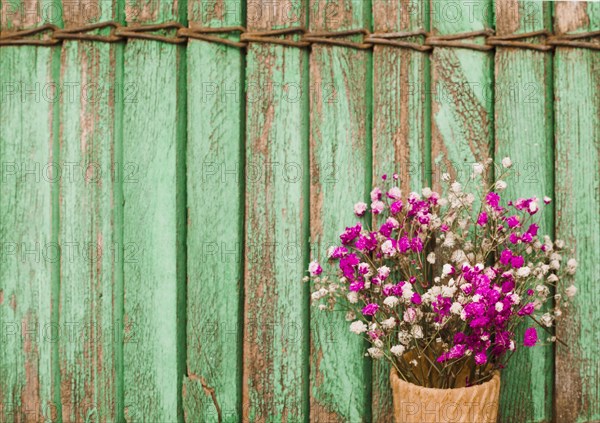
(439, 283)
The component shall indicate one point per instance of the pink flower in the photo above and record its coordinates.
(360, 208)
(530, 337)
(377, 206)
(482, 219)
(375, 194)
(314, 268)
(394, 193)
(370, 309)
(410, 315)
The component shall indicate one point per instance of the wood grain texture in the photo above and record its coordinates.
(215, 162)
(275, 308)
(91, 264)
(461, 85)
(401, 129)
(577, 137)
(340, 151)
(154, 221)
(28, 219)
(523, 131)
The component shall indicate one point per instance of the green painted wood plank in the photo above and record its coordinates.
(577, 137)
(28, 222)
(401, 129)
(523, 131)
(340, 176)
(154, 220)
(91, 262)
(215, 162)
(462, 103)
(276, 306)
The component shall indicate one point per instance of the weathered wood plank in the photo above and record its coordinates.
(28, 223)
(340, 150)
(577, 117)
(523, 131)
(154, 220)
(462, 107)
(91, 264)
(275, 311)
(215, 162)
(401, 129)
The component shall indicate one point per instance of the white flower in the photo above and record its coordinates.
(523, 271)
(546, 319)
(554, 264)
(352, 297)
(407, 291)
(449, 241)
(456, 187)
(395, 193)
(463, 315)
(511, 345)
(350, 316)
(445, 177)
(404, 337)
(431, 258)
(375, 353)
(459, 257)
(533, 207)
(477, 168)
(448, 291)
(571, 291)
(322, 307)
(388, 323)
(360, 208)
(378, 343)
(316, 295)
(571, 266)
(515, 299)
(397, 350)
(388, 248)
(559, 244)
(476, 298)
(427, 192)
(456, 308)
(447, 269)
(506, 162)
(499, 306)
(358, 327)
(410, 315)
(501, 185)
(417, 331)
(391, 301)
(552, 278)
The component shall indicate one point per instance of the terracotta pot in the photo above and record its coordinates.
(416, 404)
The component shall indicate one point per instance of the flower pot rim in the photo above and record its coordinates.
(396, 379)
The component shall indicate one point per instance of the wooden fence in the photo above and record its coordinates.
(159, 203)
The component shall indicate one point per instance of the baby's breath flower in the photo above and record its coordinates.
(358, 327)
(500, 185)
(375, 353)
(506, 162)
(571, 291)
(397, 350)
(431, 258)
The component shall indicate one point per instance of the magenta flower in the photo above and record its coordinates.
(396, 207)
(350, 233)
(505, 256)
(526, 310)
(480, 358)
(416, 298)
(514, 238)
(370, 309)
(482, 219)
(492, 199)
(416, 245)
(444, 228)
(512, 221)
(533, 229)
(530, 337)
(517, 261)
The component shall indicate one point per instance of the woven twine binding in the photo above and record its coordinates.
(176, 33)
(416, 404)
